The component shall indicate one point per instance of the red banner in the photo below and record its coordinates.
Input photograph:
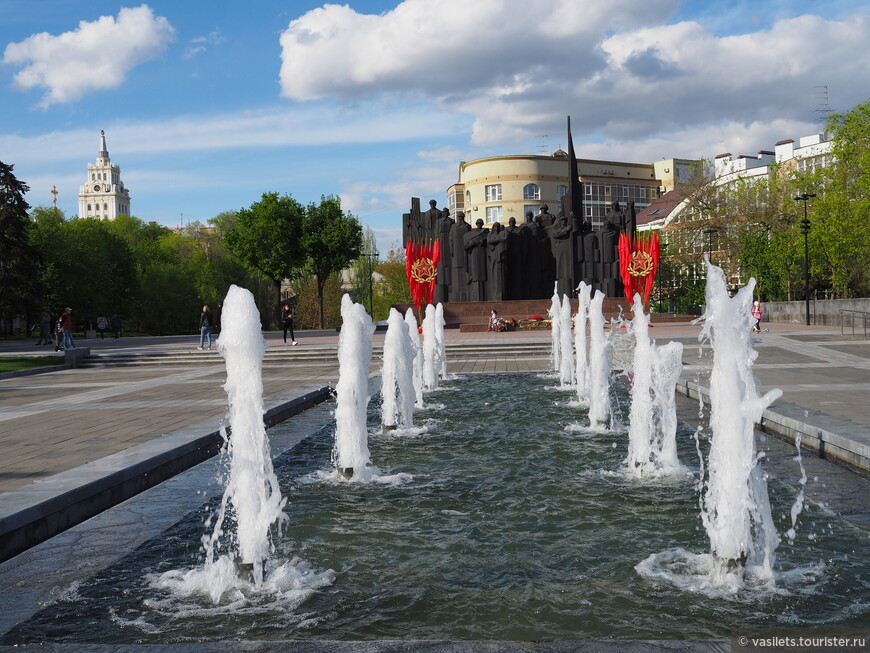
(638, 263)
(421, 266)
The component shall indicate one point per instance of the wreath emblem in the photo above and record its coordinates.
(423, 270)
(640, 264)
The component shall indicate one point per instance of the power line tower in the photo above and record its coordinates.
(824, 109)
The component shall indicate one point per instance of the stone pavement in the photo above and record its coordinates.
(53, 424)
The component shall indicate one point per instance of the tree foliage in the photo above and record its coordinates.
(331, 239)
(754, 223)
(18, 260)
(267, 237)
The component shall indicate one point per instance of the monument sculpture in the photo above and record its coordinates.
(521, 261)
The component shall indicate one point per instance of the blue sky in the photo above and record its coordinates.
(207, 105)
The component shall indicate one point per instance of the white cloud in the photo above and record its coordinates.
(312, 124)
(200, 44)
(618, 68)
(75, 63)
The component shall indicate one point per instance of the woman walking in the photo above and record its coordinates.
(205, 325)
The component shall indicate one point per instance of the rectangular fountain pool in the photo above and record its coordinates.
(500, 517)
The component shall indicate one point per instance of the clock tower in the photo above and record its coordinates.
(104, 194)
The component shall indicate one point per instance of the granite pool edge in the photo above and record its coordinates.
(38, 511)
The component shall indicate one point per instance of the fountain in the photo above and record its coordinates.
(351, 453)
(555, 314)
(252, 489)
(652, 418)
(397, 375)
(431, 348)
(252, 497)
(600, 364)
(441, 350)
(735, 507)
(567, 374)
(581, 347)
(417, 366)
(458, 554)
(736, 513)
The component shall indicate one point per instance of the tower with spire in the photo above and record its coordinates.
(104, 195)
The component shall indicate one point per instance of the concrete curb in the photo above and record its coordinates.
(33, 371)
(827, 435)
(47, 507)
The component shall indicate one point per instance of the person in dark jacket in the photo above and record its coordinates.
(205, 325)
(287, 317)
(116, 325)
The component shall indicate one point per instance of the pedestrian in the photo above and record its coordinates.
(287, 317)
(44, 328)
(757, 313)
(102, 325)
(66, 329)
(116, 325)
(205, 325)
(58, 334)
(217, 317)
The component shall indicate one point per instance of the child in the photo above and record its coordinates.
(757, 313)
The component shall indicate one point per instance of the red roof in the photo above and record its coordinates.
(660, 208)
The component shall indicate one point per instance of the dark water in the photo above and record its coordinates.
(512, 528)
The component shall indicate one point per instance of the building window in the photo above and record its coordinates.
(105, 207)
(89, 208)
(531, 192)
(493, 193)
(561, 191)
(493, 213)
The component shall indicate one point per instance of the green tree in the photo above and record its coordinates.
(267, 237)
(331, 239)
(392, 287)
(840, 212)
(18, 259)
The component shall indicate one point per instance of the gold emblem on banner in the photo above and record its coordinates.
(423, 270)
(640, 264)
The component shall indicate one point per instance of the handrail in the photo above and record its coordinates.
(864, 316)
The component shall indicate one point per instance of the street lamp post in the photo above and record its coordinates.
(662, 249)
(371, 254)
(710, 231)
(805, 230)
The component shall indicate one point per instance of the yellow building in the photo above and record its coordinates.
(498, 188)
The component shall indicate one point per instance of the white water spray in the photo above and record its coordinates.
(555, 314)
(351, 452)
(430, 350)
(600, 364)
(397, 375)
(441, 359)
(414, 333)
(581, 342)
(736, 509)
(652, 447)
(252, 489)
(252, 494)
(566, 345)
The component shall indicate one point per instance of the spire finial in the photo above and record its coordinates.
(104, 151)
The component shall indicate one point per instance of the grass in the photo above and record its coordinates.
(18, 363)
